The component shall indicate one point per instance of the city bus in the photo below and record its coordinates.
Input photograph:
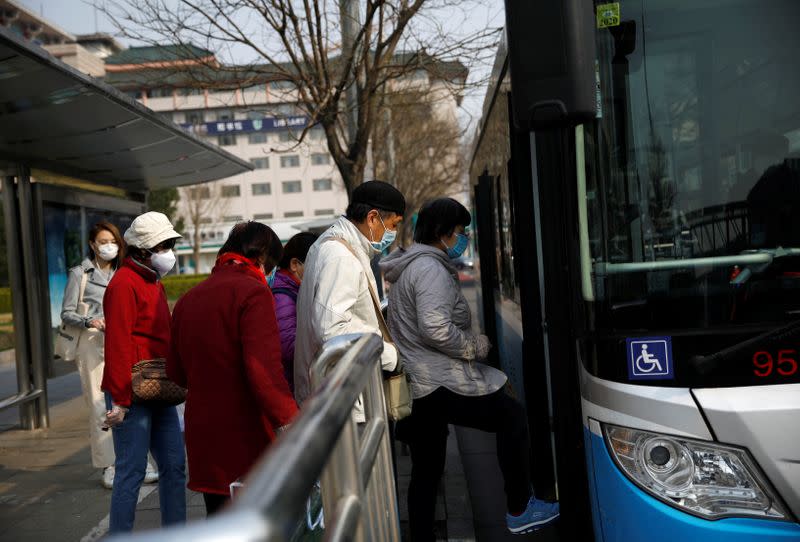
(636, 184)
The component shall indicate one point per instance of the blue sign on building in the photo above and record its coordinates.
(650, 358)
(243, 126)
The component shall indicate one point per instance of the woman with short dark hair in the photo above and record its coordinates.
(226, 351)
(431, 324)
(285, 288)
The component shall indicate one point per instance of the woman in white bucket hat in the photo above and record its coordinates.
(138, 328)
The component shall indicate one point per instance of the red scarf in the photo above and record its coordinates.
(247, 265)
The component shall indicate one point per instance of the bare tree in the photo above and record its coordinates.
(419, 149)
(301, 42)
(201, 205)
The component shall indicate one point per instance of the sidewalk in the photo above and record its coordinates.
(50, 491)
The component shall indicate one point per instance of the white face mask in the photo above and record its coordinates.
(163, 262)
(108, 251)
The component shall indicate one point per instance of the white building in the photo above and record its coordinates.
(83, 52)
(292, 183)
(294, 186)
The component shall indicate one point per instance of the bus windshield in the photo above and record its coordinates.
(693, 165)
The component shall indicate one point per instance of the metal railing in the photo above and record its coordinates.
(357, 478)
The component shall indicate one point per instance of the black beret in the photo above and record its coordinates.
(380, 195)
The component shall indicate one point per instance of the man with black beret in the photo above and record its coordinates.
(335, 296)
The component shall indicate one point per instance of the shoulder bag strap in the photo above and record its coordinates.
(375, 303)
(82, 290)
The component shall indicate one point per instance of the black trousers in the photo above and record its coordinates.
(497, 413)
(214, 502)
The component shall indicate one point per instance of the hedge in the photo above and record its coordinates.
(177, 285)
(5, 300)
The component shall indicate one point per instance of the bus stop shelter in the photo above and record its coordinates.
(67, 136)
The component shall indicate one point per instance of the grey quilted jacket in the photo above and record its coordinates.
(431, 324)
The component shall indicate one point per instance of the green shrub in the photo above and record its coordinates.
(5, 300)
(177, 285)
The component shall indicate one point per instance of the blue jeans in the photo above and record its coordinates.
(155, 429)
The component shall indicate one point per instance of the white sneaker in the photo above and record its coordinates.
(108, 477)
(150, 475)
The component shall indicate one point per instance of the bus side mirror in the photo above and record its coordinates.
(551, 48)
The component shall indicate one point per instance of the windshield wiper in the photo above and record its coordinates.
(775, 254)
(706, 365)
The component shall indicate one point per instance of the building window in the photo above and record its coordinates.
(281, 85)
(292, 160)
(199, 192)
(293, 214)
(262, 216)
(262, 189)
(205, 220)
(190, 91)
(317, 134)
(257, 138)
(260, 163)
(195, 117)
(257, 114)
(224, 114)
(226, 140)
(253, 88)
(287, 110)
(322, 185)
(324, 212)
(286, 136)
(160, 92)
(292, 187)
(320, 159)
(231, 191)
(135, 94)
(232, 218)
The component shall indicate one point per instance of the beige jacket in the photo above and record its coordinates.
(334, 300)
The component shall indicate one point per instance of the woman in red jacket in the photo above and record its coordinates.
(138, 328)
(226, 351)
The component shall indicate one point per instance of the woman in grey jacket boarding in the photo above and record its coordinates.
(431, 324)
(107, 250)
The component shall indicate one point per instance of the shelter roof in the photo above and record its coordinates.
(55, 118)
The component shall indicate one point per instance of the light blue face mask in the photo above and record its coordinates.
(388, 238)
(462, 242)
(271, 276)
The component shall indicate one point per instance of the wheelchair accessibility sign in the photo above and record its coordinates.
(650, 358)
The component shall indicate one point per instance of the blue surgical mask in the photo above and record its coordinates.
(271, 276)
(462, 242)
(388, 238)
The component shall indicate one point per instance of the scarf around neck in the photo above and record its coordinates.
(246, 264)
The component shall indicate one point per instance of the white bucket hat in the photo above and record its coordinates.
(150, 229)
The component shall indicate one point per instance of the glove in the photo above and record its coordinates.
(482, 347)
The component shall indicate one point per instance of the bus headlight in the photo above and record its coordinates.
(703, 478)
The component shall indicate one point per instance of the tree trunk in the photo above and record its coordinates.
(196, 249)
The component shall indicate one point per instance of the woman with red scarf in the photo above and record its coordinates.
(226, 351)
